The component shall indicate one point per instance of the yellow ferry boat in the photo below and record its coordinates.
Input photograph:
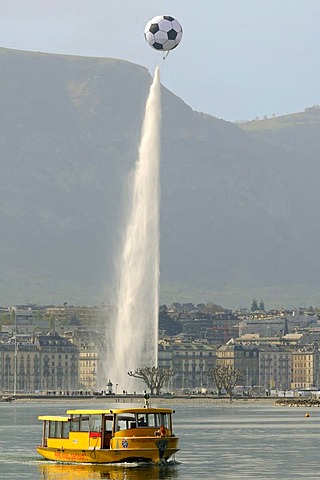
(109, 436)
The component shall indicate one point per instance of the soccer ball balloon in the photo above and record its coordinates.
(163, 33)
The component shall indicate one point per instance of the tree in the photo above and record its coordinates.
(163, 308)
(201, 306)
(226, 377)
(153, 377)
(188, 306)
(254, 305)
(213, 308)
(217, 377)
(177, 306)
(170, 325)
(261, 305)
(7, 318)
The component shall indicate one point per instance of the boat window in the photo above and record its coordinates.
(84, 423)
(55, 429)
(108, 423)
(65, 429)
(164, 420)
(52, 429)
(154, 420)
(58, 429)
(157, 419)
(123, 422)
(143, 420)
(75, 424)
(95, 423)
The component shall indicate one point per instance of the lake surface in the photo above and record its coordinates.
(241, 440)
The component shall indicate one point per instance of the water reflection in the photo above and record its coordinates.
(56, 471)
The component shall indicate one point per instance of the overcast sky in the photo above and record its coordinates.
(238, 59)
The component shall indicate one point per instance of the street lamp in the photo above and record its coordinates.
(109, 387)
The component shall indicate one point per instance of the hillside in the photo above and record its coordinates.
(239, 216)
(299, 131)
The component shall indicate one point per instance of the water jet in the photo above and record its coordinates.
(132, 339)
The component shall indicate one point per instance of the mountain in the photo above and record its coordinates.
(239, 216)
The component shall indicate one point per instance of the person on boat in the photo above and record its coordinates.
(161, 432)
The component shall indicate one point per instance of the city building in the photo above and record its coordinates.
(191, 362)
(243, 358)
(214, 329)
(90, 367)
(275, 367)
(59, 362)
(20, 369)
(40, 362)
(70, 314)
(271, 327)
(305, 368)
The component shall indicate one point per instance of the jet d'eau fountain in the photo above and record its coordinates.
(133, 337)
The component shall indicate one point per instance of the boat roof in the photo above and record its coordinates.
(119, 410)
(55, 418)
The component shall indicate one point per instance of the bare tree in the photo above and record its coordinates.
(153, 377)
(226, 377)
(218, 379)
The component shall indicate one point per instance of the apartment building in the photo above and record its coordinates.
(191, 361)
(275, 367)
(243, 358)
(305, 368)
(41, 362)
(90, 367)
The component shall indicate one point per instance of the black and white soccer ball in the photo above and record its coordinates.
(163, 33)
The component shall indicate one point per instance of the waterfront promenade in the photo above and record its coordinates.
(138, 398)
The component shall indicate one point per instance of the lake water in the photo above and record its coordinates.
(241, 440)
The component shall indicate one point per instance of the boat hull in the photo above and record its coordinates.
(162, 452)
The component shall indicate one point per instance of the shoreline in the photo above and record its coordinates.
(175, 399)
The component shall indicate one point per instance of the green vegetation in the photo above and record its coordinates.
(168, 324)
(310, 116)
(7, 318)
(255, 306)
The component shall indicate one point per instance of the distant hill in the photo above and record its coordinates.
(239, 211)
(299, 131)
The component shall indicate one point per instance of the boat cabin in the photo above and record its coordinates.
(102, 429)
